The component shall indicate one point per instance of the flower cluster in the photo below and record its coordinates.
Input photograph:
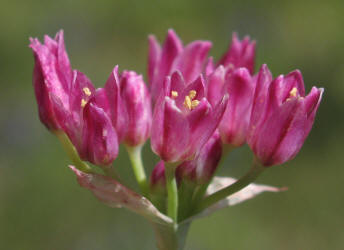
(193, 109)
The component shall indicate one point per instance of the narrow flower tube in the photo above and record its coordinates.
(162, 62)
(137, 104)
(183, 121)
(282, 116)
(52, 77)
(239, 54)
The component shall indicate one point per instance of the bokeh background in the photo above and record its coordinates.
(41, 204)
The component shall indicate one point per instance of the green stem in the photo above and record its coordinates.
(244, 181)
(137, 165)
(172, 191)
(72, 153)
(170, 238)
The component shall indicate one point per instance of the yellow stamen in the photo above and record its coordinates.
(174, 94)
(194, 104)
(192, 94)
(293, 92)
(87, 91)
(83, 103)
(187, 102)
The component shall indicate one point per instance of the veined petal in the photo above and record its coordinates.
(216, 85)
(234, 124)
(100, 142)
(192, 60)
(138, 108)
(170, 51)
(273, 131)
(264, 79)
(154, 55)
(170, 131)
(117, 109)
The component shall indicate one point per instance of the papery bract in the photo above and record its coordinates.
(52, 76)
(162, 62)
(282, 116)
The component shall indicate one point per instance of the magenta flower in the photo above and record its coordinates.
(282, 116)
(162, 62)
(240, 54)
(157, 178)
(137, 103)
(240, 87)
(86, 124)
(201, 169)
(183, 119)
(52, 76)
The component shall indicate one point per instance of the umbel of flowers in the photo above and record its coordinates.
(194, 110)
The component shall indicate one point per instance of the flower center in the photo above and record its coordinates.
(189, 101)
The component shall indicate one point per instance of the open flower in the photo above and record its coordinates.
(183, 119)
(282, 116)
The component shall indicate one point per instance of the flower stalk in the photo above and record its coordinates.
(137, 165)
(244, 181)
(172, 191)
(71, 152)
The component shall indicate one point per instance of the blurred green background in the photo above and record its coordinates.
(41, 204)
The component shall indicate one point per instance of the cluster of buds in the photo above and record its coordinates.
(193, 110)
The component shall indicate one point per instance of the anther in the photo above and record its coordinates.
(293, 92)
(87, 91)
(194, 104)
(187, 102)
(83, 103)
(192, 94)
(174, 94)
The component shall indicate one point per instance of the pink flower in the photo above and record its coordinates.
(86, 124)
(282, 116)
(183, 119)
(126, 100)
(201, 169)
(157, 178)
(52, 76)
(240, 87)
(240, 54)
(137, 102)
(172, 56)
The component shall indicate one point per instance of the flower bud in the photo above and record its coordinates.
(137, 103)
(52, 76)
(239, 54)
(201, 169)
(162, 62)
(157, 179)
(99, 138)
(234, 124)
